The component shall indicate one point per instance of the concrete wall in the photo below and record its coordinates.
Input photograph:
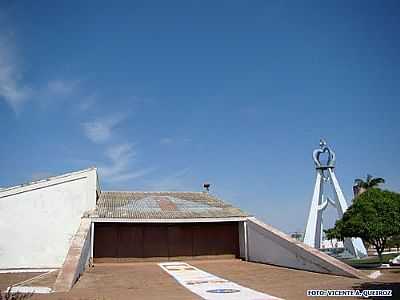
(77, 258)
(38, 220)
(85, 250)
(268, 245)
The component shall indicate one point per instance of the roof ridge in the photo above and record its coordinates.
(205, 194)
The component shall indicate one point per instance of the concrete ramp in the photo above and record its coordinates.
(268, 245)
(77, 258)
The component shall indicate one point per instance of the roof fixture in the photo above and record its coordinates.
(206, 187)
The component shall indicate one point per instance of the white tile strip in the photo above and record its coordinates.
(209, 286)
(375, 275)
(5, 271)
(29, 289)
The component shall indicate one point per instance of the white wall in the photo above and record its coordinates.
(38, 221)
(268, 245)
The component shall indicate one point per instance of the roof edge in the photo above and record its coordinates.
(46, 180)
(171, 220)
(149, 192)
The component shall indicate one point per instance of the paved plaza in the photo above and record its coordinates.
(149, 281)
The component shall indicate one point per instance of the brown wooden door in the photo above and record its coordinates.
(180, 240)
(124, 240)
(224, 239)
(106, 240)
(203, 241)
(155, 240)
(130, 242)
(215, 239)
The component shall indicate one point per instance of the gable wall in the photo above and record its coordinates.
(268, 245)
(37, 222)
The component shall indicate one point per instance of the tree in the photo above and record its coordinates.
(374, 217)
(394, 242)
(360, 185)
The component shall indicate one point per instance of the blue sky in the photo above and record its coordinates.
(164, 95)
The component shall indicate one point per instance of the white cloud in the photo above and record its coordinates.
(121, 152)
(170, 140)
(61, 87)
(121, 157)
(58, 90)
(166, 141)
(87, 102)
(174, 181)
(99, 131)
(131, 175)
(12, 91)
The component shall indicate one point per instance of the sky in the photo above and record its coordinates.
(167, 95)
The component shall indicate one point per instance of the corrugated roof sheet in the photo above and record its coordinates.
(163, 205)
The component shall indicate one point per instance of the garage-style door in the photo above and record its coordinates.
(127, 240)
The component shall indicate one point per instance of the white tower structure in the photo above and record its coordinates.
(326, 176)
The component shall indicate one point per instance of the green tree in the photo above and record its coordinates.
(394, 242)
(374, 217)
(370, 182)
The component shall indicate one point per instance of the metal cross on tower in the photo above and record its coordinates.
(326, 175)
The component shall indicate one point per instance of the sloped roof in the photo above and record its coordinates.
(163, 205)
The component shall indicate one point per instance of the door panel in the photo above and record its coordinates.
(105, 240)
(203, 240)
(130, 242)
(155, 240)
(180, 240)
(224, 241)
(215, 239)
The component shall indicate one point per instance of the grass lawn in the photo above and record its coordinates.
(371, 260)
